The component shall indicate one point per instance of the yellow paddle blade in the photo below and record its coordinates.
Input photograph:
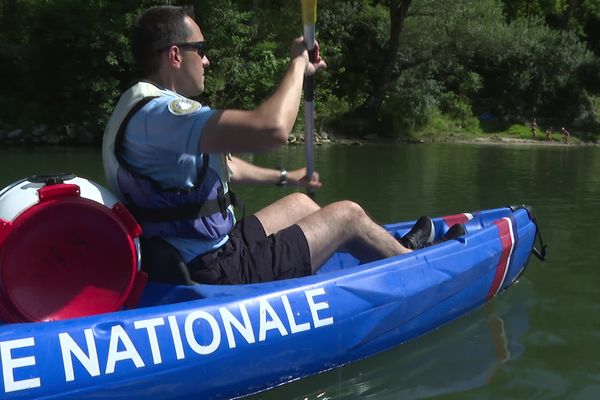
(309, 12)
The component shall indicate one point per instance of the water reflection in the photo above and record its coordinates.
(458, 357)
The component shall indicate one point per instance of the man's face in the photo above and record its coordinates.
(191, 78)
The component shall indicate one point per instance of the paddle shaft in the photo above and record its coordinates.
(309, 107)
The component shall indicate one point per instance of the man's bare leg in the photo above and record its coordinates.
(340, 226)
(345, 225)
(286, 212)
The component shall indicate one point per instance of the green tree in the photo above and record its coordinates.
(462, 55)
(72, 61)
(393, 64)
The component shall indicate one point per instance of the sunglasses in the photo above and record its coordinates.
(199, 47)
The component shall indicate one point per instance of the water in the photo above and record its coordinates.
(537, 340)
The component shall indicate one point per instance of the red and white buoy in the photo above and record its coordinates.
(68, 248)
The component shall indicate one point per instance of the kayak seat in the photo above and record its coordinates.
(163, 263)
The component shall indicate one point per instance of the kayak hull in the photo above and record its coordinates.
(220, 342)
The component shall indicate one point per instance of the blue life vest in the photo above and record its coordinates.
(200, 212)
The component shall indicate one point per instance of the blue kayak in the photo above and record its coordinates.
(222, 342)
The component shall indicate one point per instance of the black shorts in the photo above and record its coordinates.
(250, 256)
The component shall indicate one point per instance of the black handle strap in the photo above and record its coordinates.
(541, 252)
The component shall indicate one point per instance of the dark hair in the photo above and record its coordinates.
(155, 29)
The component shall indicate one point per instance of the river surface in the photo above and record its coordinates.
(538, 340)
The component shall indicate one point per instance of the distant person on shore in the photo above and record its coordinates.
(566, 133)
(533, 128)
(549, 134)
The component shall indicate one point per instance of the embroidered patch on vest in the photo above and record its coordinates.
(183, 106)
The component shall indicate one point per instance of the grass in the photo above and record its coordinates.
(442, 128)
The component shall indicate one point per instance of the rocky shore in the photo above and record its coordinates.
(43, 135)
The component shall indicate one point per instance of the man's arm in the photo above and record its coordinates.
(267, 126)
(247, 173)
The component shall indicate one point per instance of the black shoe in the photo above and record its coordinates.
(454, 232)
(421, 233)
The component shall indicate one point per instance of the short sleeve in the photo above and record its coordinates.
(162, 139)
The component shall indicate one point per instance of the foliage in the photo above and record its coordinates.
(579, 17)
(484, 64)
(70, 61)
(65, 62)
(520, 131)
(434, 75)
(589, 114)
(533, 72)
(228, 32)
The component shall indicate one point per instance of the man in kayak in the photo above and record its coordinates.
(167, 157)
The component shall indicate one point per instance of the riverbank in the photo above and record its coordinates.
(488, 139)
(69, 136)
(517, 141)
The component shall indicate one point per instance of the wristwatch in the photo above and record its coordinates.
(282, 177)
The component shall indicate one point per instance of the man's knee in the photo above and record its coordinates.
(349, 210)
(304, 201)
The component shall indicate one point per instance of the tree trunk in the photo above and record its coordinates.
(398, 11)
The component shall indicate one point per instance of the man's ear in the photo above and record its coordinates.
(174, 56)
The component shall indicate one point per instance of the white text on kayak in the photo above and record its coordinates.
(120, 347)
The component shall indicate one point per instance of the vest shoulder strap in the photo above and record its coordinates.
(121, 132)
(192, 211)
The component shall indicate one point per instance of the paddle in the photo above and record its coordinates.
(309, 17)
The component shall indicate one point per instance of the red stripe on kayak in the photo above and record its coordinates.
(456, 219)
(508, 242)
